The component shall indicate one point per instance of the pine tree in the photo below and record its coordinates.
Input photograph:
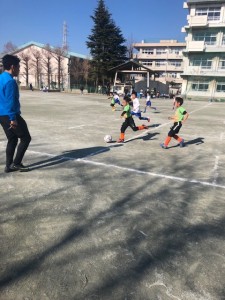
(106, 44)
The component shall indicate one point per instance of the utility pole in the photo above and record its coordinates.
(65, 33)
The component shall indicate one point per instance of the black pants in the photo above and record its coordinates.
(175, 129)
(128, 122)
(20, 132)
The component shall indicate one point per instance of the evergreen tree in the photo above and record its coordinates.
(106, 44)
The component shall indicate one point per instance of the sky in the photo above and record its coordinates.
(41, 21)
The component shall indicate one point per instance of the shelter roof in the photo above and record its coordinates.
(131, 66)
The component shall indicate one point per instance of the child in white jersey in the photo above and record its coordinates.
(136, 107)
(148, 103)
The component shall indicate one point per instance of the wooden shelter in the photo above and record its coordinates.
(132, 67)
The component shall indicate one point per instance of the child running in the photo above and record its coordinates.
(128, 120)
(179, 118)
(115, 99)
(148, 103)
(136, 107)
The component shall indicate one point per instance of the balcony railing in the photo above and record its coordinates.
(199, 21)
(204, 70)
(159, 56)
(196, 46)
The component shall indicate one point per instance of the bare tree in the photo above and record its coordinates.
(79, 70)
(9, 47)
(130, 48)
(37, 64)
(76, 69)
(25, 60)
(46, 62)
(59, 53)
(85, 69)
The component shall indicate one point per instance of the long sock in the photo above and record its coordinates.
(179, 139)
(122, 135)
(141, 127)
(167, 140)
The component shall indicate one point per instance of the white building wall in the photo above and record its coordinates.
(43, 78)
(198, 77)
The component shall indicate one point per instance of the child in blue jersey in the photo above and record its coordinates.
(129, 121)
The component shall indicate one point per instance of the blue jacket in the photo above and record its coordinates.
(9, 96)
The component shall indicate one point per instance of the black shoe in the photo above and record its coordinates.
(9, 169)
(19, 167)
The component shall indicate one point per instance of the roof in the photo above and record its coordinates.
(156, 45)
(131, 66)
(204, 1)
(32, 43)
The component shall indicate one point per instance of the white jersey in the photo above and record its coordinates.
(136, 105)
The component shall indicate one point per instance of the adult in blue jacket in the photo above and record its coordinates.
(13, 124)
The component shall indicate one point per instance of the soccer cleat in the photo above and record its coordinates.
(19, 167)
(163, 146)
(120, 141)
(182, 143)
(144, 126)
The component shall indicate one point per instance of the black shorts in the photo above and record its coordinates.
(175, 129)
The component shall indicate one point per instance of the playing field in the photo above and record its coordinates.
(114, 221)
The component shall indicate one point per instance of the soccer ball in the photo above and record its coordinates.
(108, 138)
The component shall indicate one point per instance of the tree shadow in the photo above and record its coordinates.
(70, 155)
(154, 125)
(196, 141)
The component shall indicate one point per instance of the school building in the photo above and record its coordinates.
(164, 58)
(45, 66)
(204, 56)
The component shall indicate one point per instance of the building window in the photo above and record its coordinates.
(147, 63)
(202, 63)
(176, 51)
(174, 63)
(147, 51)
(208, 37)
(212, 13)
(161, 51)
(222, 63)
(223, 39)
(161, 75)
(199, 86)
(220, 87)
(160, 63)
(173, 75)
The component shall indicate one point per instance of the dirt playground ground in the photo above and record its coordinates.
(98, 221)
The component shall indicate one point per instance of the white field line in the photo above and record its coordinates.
(215, 172)
(163, 176)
